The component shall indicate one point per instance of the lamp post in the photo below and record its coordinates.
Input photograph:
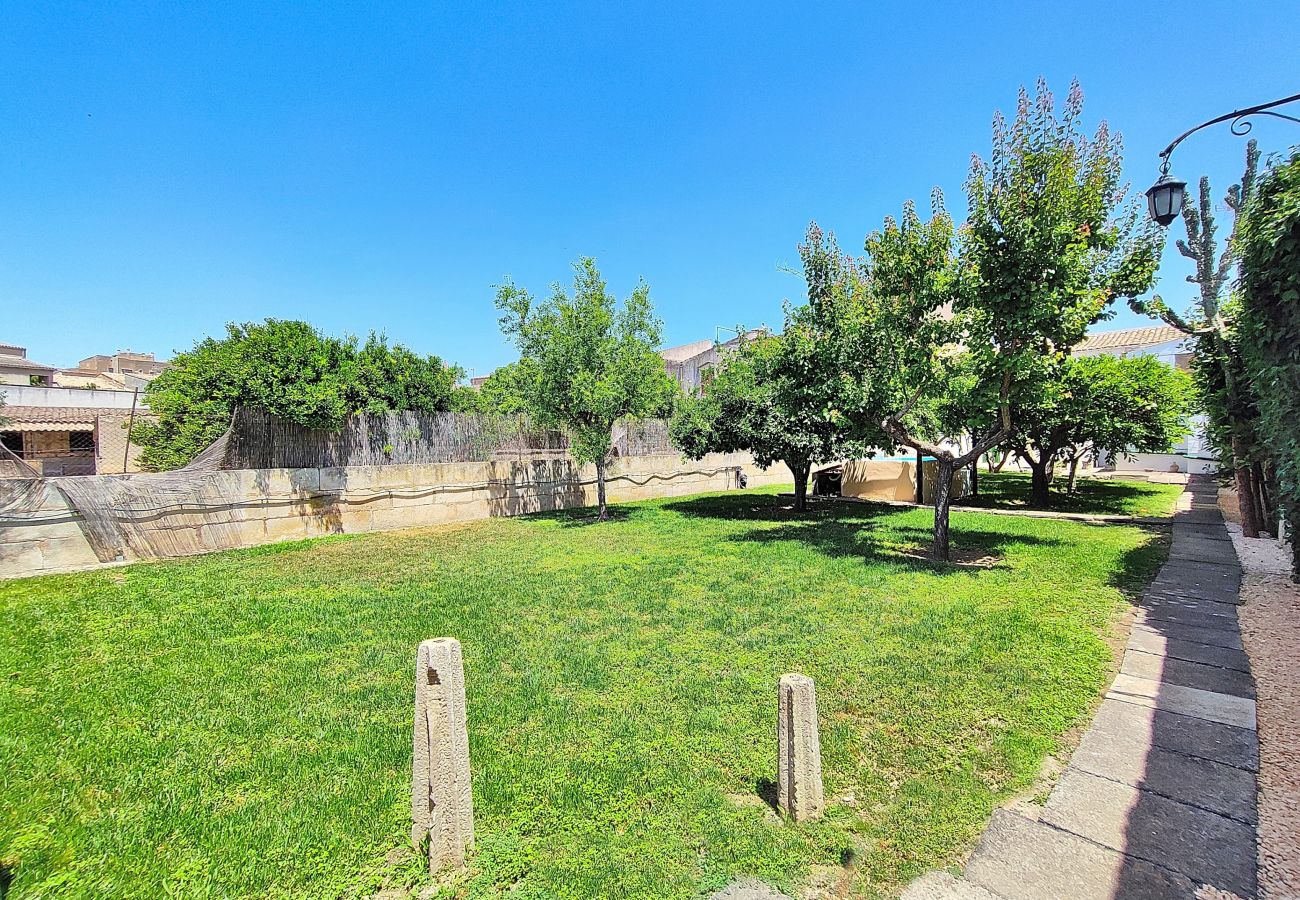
(1165, 197)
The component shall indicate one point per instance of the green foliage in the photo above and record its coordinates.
(1049, 244)
(505, 391)
(238, 725)
(1104, 403)
(933, 323)
(1051, 240)
(584, 363)
(888, 315)
(1270, 320)
(769, 397)
(288, 369)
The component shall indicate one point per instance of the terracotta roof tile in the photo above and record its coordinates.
(54, 415)
(1129, 338)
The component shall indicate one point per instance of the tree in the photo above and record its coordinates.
(1270, 324)
(1049, 244)
(584, 364)
(503, 392)
(1222, 380)
(290, 370)
(1098, 404)
(768, 396)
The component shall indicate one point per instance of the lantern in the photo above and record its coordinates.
(1165, 199)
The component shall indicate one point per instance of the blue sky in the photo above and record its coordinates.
(165, 168)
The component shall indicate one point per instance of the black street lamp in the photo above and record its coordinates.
(1165, 197)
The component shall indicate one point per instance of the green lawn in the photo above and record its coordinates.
(1113, 497)
(239, 724)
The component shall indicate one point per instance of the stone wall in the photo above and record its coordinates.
(245, 508)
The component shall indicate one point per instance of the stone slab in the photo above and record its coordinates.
(1196, 516)
(1182, 614)
(1229, 639)
(1151, 641)
(1195, 586)
(1023, 860)
(1139, 727)
(1210, 530)
(1188, 674)
(940, 885)
(1163, 590)
(1209, 705)
(1187, 576)
(1208, 785)
(1197, 549)
(1201, 613)
(1207, 848)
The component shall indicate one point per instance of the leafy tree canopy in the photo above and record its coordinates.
(1102, 403)
(584, 362)
(505, 391)
(290, 370)
(769, 397)
(1050, 242)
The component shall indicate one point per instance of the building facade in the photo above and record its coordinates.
(67, 431)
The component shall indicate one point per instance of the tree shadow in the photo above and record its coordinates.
(1095, 496)
(860, 531)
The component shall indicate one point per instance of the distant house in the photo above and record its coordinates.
(1193, 454)
(69, 431)
(691, 363)
(123, 370)
(17, 369)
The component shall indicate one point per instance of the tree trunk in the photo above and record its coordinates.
(1038, 483)
(600, 490)
(800, 472)
(1267, 515)
(975, 477)
(1245, 490)
(920, 478)
(1074, 472)
(1002, 461)
(942, 500)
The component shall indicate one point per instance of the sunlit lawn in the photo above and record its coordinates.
(1103, 496)
(239, 724)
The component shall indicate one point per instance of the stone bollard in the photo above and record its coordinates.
(442, 810)
(799, 766)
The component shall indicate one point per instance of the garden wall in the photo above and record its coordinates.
(223, 510)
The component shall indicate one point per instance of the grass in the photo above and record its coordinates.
(1102, 496)
(238, 724)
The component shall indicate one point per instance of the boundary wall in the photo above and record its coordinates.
(228, 509)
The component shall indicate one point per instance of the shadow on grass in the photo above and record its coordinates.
(855, 531)
(585, 516)
(1011, 490)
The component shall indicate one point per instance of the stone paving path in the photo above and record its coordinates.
(1158, 801)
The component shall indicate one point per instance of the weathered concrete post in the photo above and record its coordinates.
(799, 775)
(442, 810)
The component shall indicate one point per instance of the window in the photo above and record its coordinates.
(81, 441)
(12, 441)
(40, 380)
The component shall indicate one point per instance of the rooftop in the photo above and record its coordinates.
(50, 418)
(1129, 339)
